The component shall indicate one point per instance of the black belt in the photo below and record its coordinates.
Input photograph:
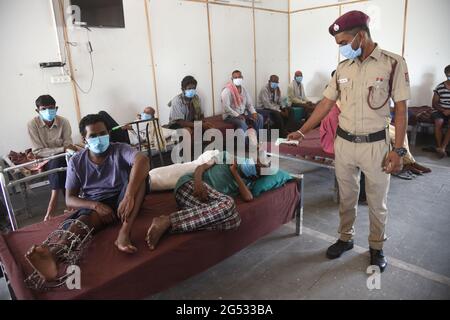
(372, 137)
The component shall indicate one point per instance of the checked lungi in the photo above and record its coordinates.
(218, 212)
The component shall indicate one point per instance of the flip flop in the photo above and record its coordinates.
(419, 167)
(413, 170)
(403, 175)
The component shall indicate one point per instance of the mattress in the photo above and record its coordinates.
(309, 148)
(107, 273)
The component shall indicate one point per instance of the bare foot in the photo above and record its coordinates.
(159, 226)
(123, 243)
(41, 259)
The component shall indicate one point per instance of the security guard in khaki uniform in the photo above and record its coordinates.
(364, 84)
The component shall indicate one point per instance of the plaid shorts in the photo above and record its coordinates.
(218, 212)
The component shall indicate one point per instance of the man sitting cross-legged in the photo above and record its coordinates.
(106, 184)
(205, 198)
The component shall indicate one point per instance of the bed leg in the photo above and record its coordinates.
(299, 210)
(8, 203)
(414, 135)
(10, 290)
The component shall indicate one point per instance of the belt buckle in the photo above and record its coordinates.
(361, 138)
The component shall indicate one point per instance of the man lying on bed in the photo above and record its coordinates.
(111, 178)
(205, 198)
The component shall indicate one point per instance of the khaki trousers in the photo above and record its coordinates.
(350, 159)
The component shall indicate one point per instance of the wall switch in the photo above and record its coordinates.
(60, 79)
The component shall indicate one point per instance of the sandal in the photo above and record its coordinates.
(405, 175)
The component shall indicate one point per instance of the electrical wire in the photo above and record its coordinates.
(92, 67)
(74, 44)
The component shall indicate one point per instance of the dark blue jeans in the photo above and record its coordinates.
(57, 180)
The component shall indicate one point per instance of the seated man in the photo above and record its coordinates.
(106, 184)
(441, 113)
(50, 135)
(269, 103)
(147, 114)
(237, 105)
(297, 96)
(186, 107)
(205, 198)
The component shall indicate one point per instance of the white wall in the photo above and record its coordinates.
(271, 48)
(28, 37)
(181, 48)
(306, 4)
(123, 83)
(281, 5)
(314, 51)
(427, 49)
(232, 47)
(386, 21)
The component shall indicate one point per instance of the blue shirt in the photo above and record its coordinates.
(99, 182)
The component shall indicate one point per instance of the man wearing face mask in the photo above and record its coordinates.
(111, 178)
(364, 83)
(269, 104)
(205, 198)
(297, 95)
(186, 107)
(147, 114)
(51, 134)
(238, 106)
(296, 91)
(106, 185)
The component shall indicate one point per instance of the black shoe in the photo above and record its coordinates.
(337, 249)
(377, 258)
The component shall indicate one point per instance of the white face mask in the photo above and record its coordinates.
(237, 82)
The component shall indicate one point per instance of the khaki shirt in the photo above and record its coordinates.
(351, 84)
(47, 141)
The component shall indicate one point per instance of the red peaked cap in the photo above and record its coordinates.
(348, 21)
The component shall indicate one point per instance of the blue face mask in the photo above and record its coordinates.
(190, 93)
(48, 114)
(274, 85)
(146, 116)
(98, 145)
(348, 52)
(248, 168)
(299, 79)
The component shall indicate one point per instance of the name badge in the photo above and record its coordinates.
(344, 80)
